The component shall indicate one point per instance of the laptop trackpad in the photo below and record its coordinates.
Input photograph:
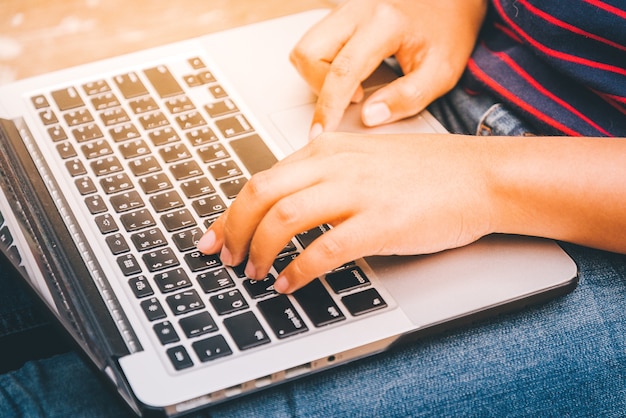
(490, 272)
(295, 123)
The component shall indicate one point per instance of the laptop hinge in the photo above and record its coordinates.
(74, 277)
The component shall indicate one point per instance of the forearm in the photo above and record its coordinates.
(570, 189)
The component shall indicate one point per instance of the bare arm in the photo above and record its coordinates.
(571, 189)
(416, 194)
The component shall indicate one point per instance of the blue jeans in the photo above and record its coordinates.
(564, 358)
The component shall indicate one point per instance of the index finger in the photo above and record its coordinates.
(356, 61)
(318, 47)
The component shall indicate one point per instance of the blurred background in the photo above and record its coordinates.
(38, 36)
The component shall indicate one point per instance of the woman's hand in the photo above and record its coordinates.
(406, 194)
(431, 40)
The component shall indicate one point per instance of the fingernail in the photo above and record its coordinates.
(207, 241)
(281, 285)
(316, 130)
(376, 113)
(226, 256)
(250, 270)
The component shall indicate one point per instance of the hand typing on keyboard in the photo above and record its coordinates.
(382, 195)
(418, 193)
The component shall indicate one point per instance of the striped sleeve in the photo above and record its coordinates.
(560, 63)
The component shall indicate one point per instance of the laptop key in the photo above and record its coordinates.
(95, 204)
(124, 132)
(106, 166)
(128, 264)
(197, 187)
(144, 165)
(179, 104)
(211, 348)
(201, 136)
(173, 280)
(143, 105)
(190, 120)
(198, 324)
(153, 120)
(153, 309)
(260, 288)
(228, 302)
(215, 280)
(281, 262)
(179, 357)
(185, 170)
(106, 223)
(187, 240)
(212, 152)
(174, 152)
(231, 188)
(155, 183)
(254, 153)
(363, 302)
(347, 279)
(221, 108)
(198, 261)
(166, 135)
(163, 81)
(126, 201)
(134, 149)
(166, 332)
(166, 201)
(173, 221)
(246, 330)
(209, 206)
(96, 149)
(282, 317)
(184, 302)
(140, 287)
(105, 101)
(67, 98)
(116, 183)
(87, 133)
(307, 237)
(117, 244)
(96, 87)
(317, 304)
(130, 85)
(138, 219)
(148, 239)
(160, 259)
(66, 150)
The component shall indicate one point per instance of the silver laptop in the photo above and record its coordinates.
(111, 172)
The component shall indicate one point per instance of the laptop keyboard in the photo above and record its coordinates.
(156, 155)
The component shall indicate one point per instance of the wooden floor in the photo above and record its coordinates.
(38, 36)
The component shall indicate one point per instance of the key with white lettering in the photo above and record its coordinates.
(246, 330)
(282, 317)
(347, 279)
(317, 304)
(363, 302)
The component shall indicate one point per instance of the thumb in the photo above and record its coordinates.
(406, 96)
